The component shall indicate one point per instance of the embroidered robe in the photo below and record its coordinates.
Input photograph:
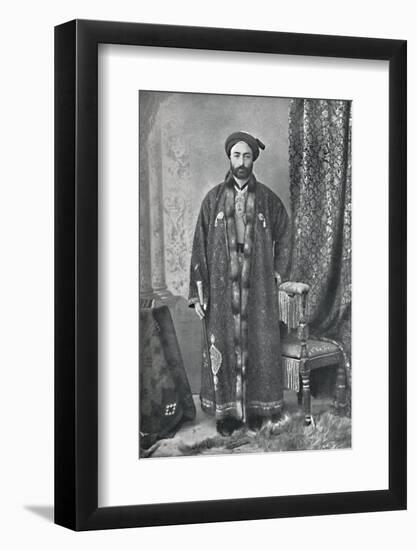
(242, 300)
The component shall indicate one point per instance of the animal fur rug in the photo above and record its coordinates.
(329, 432)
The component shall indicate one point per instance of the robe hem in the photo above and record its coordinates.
(260, 408)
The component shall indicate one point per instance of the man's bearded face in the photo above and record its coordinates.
(241, 160)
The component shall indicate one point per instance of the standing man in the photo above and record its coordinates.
(240, 252)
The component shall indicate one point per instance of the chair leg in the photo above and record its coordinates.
(305, 378)
(340, 394)
(300, 395)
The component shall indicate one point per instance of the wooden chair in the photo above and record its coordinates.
(302, 354)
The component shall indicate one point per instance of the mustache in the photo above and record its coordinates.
(241, 170)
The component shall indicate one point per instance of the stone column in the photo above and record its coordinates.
(145, 266)
(157, 215)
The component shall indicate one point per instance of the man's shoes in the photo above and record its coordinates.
(255, 422)
(228, 425)
(277, 417)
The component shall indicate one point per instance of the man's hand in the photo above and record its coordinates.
(199, 310)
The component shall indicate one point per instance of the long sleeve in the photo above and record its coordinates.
(199, 267)
(282, 243)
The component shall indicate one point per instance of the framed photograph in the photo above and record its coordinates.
(230, 275)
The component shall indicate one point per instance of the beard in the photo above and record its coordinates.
(241, 172)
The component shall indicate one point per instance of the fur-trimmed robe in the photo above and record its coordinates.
(242, 303)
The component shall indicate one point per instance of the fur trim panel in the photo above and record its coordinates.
(240, 285)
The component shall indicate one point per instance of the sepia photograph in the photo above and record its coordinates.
(244, 274)
(216, 277)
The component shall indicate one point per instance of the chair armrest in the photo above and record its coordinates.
(291, 287)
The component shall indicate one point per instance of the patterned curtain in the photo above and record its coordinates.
(320, 188)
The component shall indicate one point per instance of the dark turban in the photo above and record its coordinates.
(253, 142)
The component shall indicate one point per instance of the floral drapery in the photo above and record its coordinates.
(320, 188)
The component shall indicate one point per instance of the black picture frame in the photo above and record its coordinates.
(76, 272)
